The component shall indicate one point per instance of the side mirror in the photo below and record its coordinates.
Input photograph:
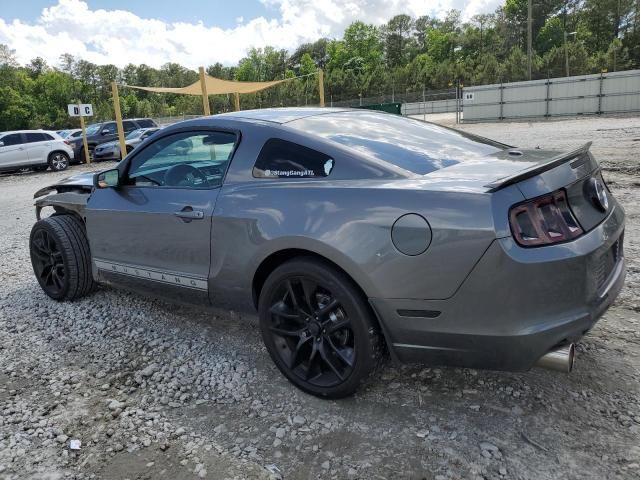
(107, 179)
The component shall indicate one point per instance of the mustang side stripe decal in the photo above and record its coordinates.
(154, 275)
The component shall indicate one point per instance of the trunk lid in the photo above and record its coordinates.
(539, 172)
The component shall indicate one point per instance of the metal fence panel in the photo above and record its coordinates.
(423, 108)
(573, 106)
(621, 103)
(617, 92)
(524, 93)
(526, 109)
(476, 111)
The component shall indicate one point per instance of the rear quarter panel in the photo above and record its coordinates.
(349, 223)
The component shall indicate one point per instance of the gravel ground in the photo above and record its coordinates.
(154, 390)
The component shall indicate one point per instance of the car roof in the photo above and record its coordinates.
(38, 130)
(281, 115)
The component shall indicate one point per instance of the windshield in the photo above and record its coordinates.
(93, 129)
(413, 145)
(135, 133)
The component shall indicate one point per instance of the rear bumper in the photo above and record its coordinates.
(516, 304)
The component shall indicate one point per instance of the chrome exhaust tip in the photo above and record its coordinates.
(560, 360)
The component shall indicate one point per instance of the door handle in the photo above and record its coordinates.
(188, 213)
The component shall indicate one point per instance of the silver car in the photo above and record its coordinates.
(353, 233)
(33, 149)
(111, 150)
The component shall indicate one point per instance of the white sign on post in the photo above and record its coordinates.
(80, 109)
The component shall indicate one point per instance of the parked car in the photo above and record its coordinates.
(69, 134)
(98, 133)
(350, 231)
(37, 149)
(111, 150)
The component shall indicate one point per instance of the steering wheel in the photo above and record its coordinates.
(184, 175)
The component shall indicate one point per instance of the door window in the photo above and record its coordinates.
(11, 139)
(186, 160)
(128, 126)
(109, 128)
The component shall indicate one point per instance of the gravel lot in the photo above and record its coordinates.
(155, 390)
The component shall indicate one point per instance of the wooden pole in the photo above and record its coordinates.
(87, 157)
(205, 95)
(321, 86)
(529, 36)
(237, 101)
(116, 108)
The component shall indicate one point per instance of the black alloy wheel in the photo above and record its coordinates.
(317, 328)
(48, 263)
(60, 257)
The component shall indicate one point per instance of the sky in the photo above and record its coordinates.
(192, 32)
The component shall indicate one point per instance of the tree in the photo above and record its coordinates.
(37, 67)
(397, 36)
(7, 56)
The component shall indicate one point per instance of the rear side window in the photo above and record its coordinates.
(36, 137)
(146, 123)
(11, 139)
(282, 159)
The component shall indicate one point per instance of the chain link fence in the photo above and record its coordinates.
(395, 97)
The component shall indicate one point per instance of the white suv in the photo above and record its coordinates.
(36, 149)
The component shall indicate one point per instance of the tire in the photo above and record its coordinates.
(83, 158)
(61, 258)
(58, 161)
(318, 329)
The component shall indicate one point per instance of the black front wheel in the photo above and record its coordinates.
(60, 257)
(318, 328)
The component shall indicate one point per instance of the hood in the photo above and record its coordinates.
(83, 181)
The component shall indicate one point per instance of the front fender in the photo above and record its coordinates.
(74, 202)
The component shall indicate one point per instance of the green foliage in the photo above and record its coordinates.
(404, 55)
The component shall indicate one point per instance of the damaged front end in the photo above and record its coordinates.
(71, 195)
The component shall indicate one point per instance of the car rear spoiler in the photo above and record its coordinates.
(539, 168)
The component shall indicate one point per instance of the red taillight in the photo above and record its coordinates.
(544, 221)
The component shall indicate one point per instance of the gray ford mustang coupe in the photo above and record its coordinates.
(353, 233)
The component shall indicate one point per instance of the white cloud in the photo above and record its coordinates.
(121, 37)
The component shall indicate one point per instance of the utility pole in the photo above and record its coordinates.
(566, 51)
(529, 35)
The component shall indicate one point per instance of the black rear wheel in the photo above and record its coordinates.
(318, 329)
(60, 257)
